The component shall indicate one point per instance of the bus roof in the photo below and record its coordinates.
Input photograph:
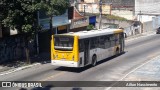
(93, 33)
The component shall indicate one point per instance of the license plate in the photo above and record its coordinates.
(63, 59)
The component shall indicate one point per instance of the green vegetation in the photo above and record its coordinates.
(90, 27)
(115, 17)
(22, 14)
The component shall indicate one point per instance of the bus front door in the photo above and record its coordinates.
(86, 52)
(122, 43)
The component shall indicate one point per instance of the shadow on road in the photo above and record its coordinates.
(42, 58)
(79, 70)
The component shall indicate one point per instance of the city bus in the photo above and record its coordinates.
(79, 49)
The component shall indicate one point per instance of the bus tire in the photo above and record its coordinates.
(117, 51)
(94, 60)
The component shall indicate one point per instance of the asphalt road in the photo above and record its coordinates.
(137, 52)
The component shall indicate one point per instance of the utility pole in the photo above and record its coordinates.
(84, 9)
(139, 15)
(100, 11)
(110, 12)
(140, 19)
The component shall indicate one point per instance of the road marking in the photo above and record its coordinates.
(53, 76)
(134, 70)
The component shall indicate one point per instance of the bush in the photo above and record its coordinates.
(116, 17)
(90, 27)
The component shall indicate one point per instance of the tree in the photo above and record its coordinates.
(22, 14)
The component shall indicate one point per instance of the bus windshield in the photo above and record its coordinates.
(64, 43)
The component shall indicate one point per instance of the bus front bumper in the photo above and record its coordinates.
(64, 63)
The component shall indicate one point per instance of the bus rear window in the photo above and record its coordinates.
(64, 43)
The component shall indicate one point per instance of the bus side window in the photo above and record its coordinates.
(93, 43)
(107, 42)
(102, 42)
(117, 39)
(81, 46)
(112, 39)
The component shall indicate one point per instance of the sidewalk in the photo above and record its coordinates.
(145, 34)
(21, 64)
(150, 71)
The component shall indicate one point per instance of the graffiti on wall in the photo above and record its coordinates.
(11, 48)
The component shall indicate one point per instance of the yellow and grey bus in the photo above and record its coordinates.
(79, 49)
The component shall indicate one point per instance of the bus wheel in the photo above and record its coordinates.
(94, 60)
(117, 51)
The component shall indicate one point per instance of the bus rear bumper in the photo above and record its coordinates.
(64, 63)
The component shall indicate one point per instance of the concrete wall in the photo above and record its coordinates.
(120, 2)
(122, 8)
(93, 8)
(0, 31)
(122, 24)
(146, 7)
(147, 26)
(13, 48)
(123, 13)
(129, 28)
(156, 22)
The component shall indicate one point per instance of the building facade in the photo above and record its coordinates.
(122, 8)
(79, 22)
(60, 24)
(147, 9)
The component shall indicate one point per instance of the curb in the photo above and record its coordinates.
(17, 69)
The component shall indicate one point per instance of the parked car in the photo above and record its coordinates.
(158, 31)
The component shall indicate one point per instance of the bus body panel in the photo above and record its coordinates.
(66, 58)
(65, 63)
(79, 58)
(102, 53)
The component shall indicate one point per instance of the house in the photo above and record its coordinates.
(79, 22)
(148, 12)
(122, 8)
